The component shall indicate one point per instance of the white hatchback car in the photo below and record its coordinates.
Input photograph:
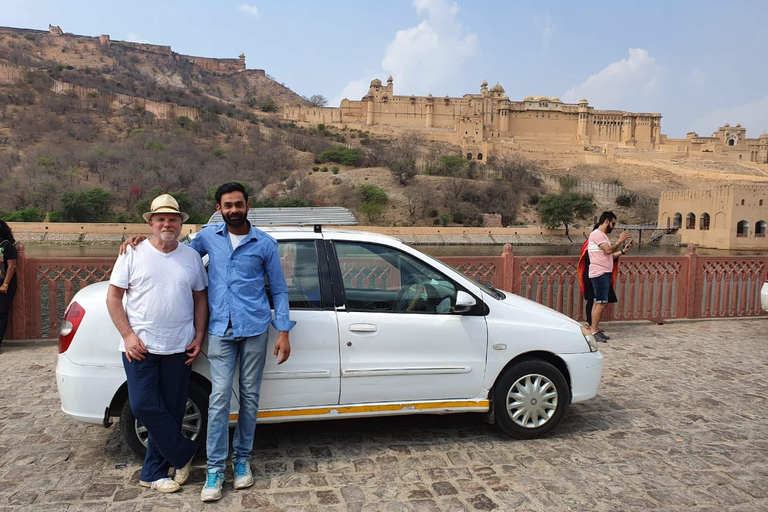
(382, 329)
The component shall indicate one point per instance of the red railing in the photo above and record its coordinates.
(652, 288)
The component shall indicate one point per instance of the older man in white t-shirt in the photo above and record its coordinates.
(601, 255)
(162, 324)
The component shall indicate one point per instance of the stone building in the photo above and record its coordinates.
(723, 217)
(729, 141)
(479, 119)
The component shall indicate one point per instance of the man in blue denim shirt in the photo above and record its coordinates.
(241, 260)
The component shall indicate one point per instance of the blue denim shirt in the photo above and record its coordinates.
(236, 284)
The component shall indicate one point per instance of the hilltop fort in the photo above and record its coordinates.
(490, 122)
(209, 64)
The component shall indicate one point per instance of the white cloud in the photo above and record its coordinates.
(753, 116)
(135, 38)
(423, 58)
(354, 90)
(250, 10)
(620, 84)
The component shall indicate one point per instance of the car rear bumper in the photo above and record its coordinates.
(586, 371)
(86, 391)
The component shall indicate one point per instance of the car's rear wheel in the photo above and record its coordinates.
(530, 399)
(193, 425)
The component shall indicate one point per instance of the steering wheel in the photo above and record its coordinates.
(408, 295)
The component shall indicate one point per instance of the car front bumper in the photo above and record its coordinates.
(586, 370)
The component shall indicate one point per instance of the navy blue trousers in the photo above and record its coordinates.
(157, 391)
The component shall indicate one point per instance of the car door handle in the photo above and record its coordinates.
(363, 328)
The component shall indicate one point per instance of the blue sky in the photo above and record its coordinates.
(701, 64)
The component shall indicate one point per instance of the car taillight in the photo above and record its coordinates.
(72, 318)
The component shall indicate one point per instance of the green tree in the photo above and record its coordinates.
(374, 199)
(28, 214)
(373, 194)
(341, 155)
(87, 206)
(563, 209)
(452, 165)
(268, 105)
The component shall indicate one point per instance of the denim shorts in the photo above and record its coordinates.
(601, 285)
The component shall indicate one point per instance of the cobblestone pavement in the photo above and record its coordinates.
(679, 424)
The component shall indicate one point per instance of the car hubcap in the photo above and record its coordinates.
(531, 401)
(190, 425)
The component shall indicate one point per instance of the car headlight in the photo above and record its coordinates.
(590, 338)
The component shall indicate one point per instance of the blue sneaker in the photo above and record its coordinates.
(214, 481)
(243, 475)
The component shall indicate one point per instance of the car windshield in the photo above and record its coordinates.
(487, 288)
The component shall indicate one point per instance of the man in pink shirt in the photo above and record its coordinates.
(601, 255)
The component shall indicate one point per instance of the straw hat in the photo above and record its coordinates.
(164, 204)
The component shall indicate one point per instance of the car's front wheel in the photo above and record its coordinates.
(193, 425)
(530, 399)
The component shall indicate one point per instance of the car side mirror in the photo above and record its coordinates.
(464, 302)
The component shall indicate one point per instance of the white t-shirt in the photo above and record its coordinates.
(158, 301)
(236, 239)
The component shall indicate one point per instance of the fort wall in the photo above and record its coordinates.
(490, 116)
(724, 217)
(209, 64)
(11, 73)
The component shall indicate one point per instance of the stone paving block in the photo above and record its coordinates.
(678, 425)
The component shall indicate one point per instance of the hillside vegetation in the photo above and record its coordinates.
(86, 157)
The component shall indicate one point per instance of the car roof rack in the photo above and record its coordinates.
(299, 216)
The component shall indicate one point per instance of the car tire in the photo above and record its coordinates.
(530, 399)
(194, 425)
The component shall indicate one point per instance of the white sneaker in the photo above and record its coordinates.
(182, 474)
(161, 485)
(214, 481)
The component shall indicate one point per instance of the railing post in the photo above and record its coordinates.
(19, 305)
(507, 268)
(690, 282)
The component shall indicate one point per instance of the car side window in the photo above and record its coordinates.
(382, 279)
(299, 261)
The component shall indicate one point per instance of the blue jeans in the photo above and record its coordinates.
(157, 391)
(224, 353)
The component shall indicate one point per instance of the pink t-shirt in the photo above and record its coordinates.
(599, 262)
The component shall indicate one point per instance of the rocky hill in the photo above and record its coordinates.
(91, 129)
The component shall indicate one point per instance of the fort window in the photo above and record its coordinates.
(704, 222)
(761, 202)
(678, 220)
(742, 228)
(690, 221)
(469, 156)
(479, 156)
(742, 202)
(760, 229)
